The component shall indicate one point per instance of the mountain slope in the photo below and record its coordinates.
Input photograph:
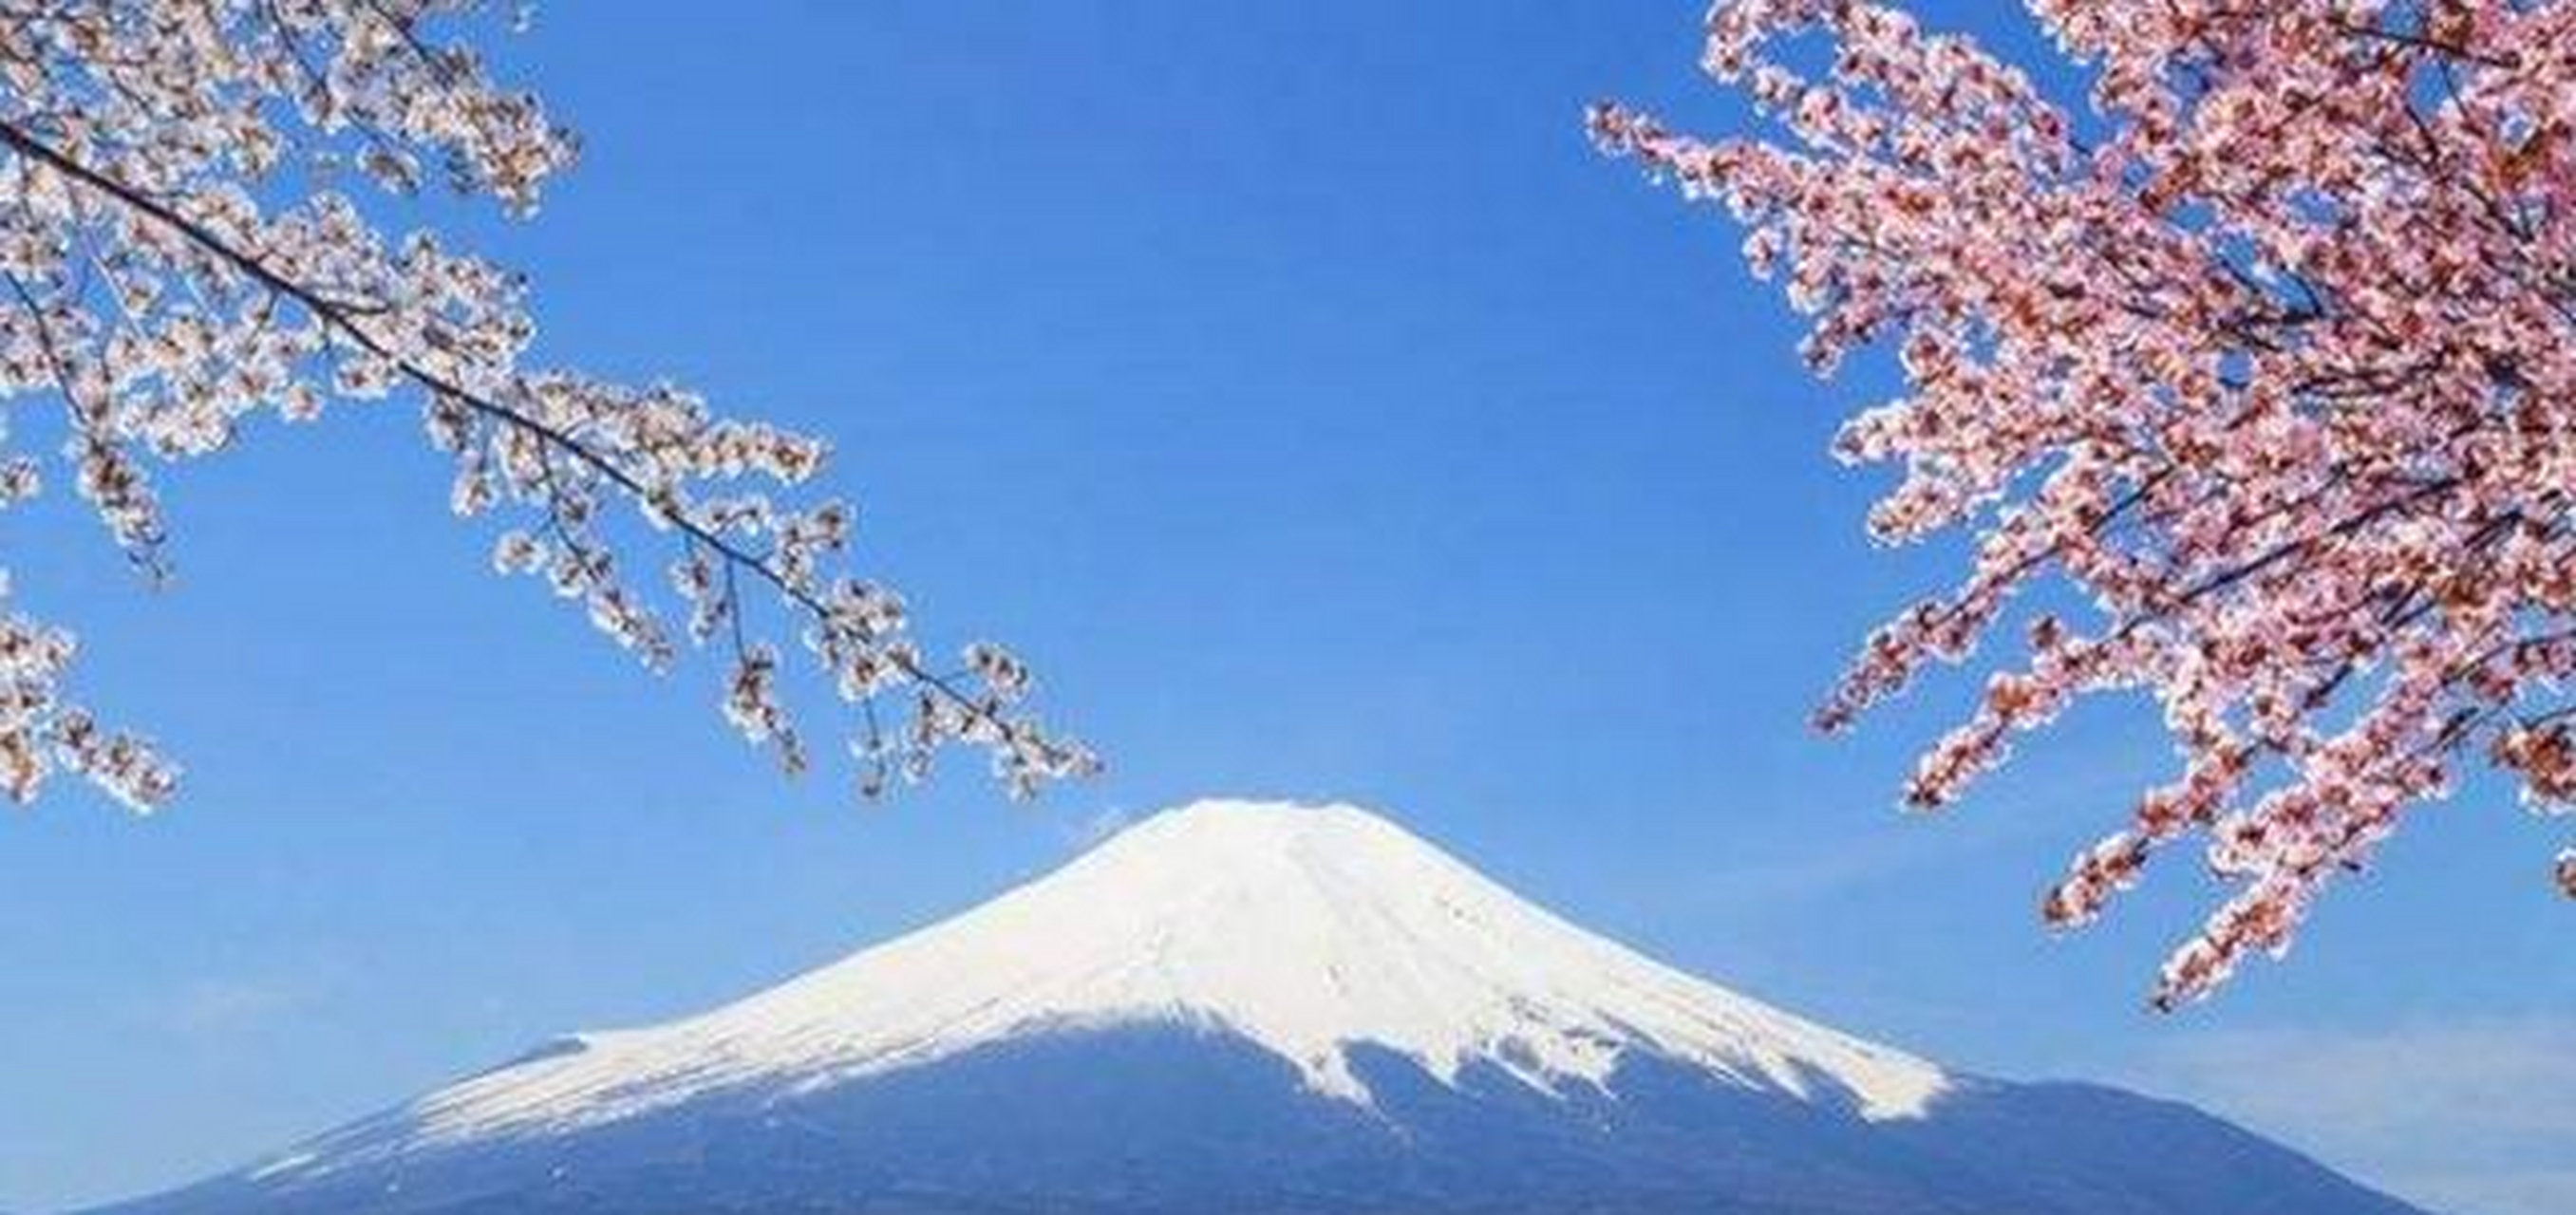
(1245, 1007)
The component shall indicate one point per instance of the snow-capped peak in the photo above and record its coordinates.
(1303, 929)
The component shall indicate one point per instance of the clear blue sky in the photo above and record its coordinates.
(1294, 385)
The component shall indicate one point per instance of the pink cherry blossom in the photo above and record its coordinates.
(2270, 358)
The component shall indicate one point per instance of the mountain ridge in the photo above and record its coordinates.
(1366, 1016)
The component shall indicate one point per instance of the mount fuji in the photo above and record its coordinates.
(1263, 1008)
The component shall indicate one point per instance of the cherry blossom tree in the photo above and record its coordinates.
(179, 258)
(2265, 367)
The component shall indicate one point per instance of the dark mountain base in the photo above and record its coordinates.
(1173, 1122)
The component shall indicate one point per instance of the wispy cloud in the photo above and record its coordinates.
(228, 1005)
(1788, 879)
(2469, 1117)
(1083, 836)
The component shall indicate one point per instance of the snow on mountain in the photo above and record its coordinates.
(1304, 930)
(1257, 1006)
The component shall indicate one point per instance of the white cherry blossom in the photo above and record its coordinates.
(180, 255)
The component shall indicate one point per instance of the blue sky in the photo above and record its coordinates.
(1297, 388)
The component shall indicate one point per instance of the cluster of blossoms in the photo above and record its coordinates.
(2273, 362)
(175, 261)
